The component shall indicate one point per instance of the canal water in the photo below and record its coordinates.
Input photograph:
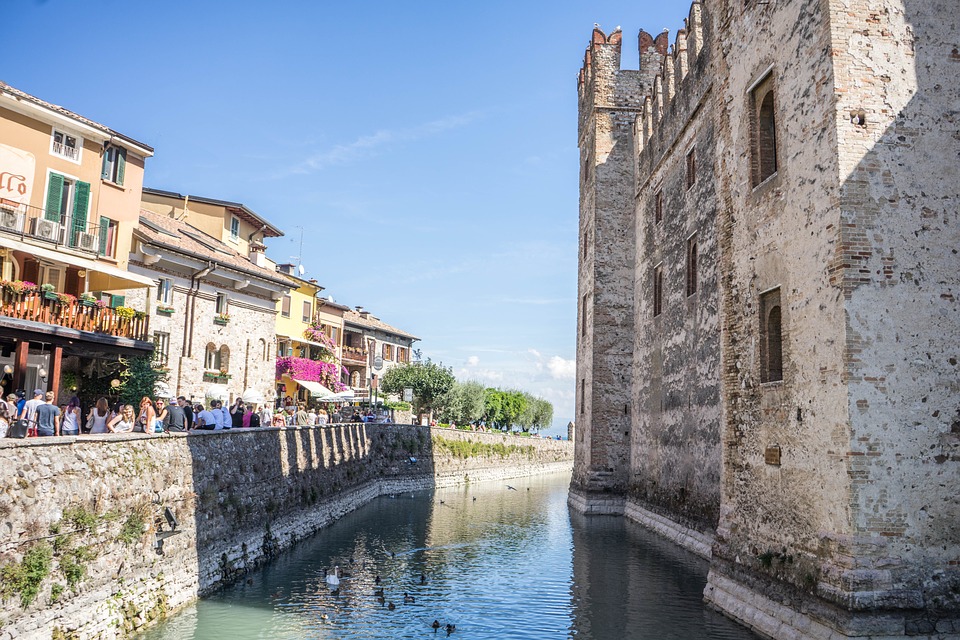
(496, 562)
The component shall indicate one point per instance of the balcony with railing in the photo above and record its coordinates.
(52, 228)
(33, 304)
(355, 354)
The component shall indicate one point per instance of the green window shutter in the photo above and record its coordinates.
(107, 161)
(104, 225)
(116, 301)
(121, 164)
(81, 201)
(54, 196)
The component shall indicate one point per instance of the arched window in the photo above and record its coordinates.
(771, 337)
(767, 143)
(263, 349)
(223, 363)
(764, 129)
(211, 358)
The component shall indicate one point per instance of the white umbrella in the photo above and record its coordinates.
(252, 396)
(218, 392)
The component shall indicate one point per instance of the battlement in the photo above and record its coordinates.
(670, 100)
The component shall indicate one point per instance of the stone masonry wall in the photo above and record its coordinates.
(609, 98)
(97, 503)
(675, 466)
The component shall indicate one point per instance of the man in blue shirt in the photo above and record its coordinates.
(225, 415)
(48, 417)
(206, 419)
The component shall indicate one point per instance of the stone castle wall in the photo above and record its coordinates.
(826, 497)
(240, 497)
(676, 358)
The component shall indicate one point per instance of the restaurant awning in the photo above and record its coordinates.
(315, 388)
(303, 341)
(102, 277)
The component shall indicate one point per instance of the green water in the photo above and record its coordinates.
(498, 563)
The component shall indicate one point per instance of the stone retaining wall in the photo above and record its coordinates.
(97, 503)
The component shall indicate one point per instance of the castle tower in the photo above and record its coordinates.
(809, 375)
(839, 188)
(609, 99)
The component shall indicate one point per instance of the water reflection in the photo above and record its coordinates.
(498, 563)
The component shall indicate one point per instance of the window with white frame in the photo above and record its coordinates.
(161, 348)
(223, 303)
(66, 145)
(165, 291)
(114, 164)
(234, 229)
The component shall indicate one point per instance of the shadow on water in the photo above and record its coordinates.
(498, 563)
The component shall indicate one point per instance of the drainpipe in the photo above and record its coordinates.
(192, 301)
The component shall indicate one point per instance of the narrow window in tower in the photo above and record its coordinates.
(583, 398)
(583, 316)
(771, 337)
(658, 207)
(584, 245)
(692, 265)
(657, 290)
(691, 168)
(763, 128)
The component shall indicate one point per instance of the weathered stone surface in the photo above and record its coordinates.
(240, 497)
(852, 518)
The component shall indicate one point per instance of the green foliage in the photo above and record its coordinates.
(25, 577)
(139, 379)
(397, 405)
(81, 519)
(463, 403)
(132, 528)
(428, 380)
(511, 408)
(56, 590)
(73, 565)
(464, 449)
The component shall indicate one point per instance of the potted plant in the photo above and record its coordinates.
(124, 312)
(165, 310)
(87, 299)
(48, 291)
(221, 318)
(66, 298)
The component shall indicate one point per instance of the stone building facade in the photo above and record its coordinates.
(767, 348)
(213, 313)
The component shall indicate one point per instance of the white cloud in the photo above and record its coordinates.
(562, 369)
(473, 361)
(368, 145)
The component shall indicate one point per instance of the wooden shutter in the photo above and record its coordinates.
(54, 196)
(121, 165)
(107, 162)
(81, 202)
(117, 301)
(104, 227)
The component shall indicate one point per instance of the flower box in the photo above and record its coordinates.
(88, 303)
(49, 295)
(221, 321)
(166, 311)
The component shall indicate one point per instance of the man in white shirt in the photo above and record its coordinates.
(29, 412)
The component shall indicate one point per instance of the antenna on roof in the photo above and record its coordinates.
(298, 256)
(300, 269)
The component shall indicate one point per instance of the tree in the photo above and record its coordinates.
(428, 380)
(139, 379)
(463, 402)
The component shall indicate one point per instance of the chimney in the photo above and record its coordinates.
(257, 254)
(288, 269)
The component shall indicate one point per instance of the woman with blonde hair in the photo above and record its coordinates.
(97, 418)
(147, 416)
(124, 421)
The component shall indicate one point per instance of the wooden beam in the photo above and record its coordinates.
(56, 357)
(20, 364)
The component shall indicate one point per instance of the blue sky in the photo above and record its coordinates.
(426, 151)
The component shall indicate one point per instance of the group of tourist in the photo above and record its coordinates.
(44, 418)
